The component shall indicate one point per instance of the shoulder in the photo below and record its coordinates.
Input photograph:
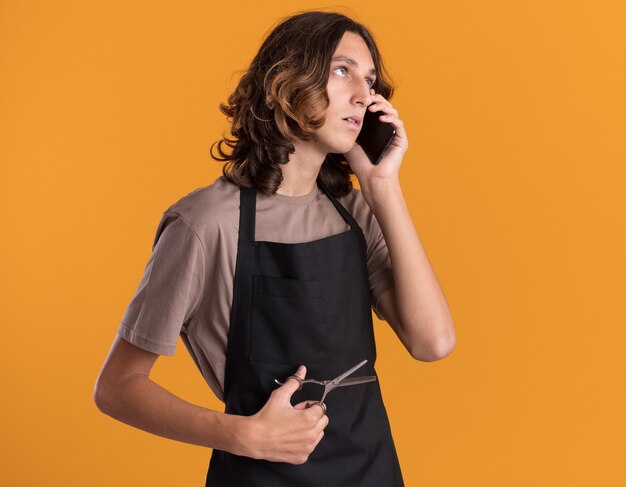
(353, 200)
(355, 203)
(209, 208)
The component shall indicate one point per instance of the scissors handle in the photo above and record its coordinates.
(301, 381)
(313, 403)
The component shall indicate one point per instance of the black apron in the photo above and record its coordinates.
(306, 303)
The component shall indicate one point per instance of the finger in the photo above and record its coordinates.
(319, 438)
(301, 372)
(384, 107)
(309, 405)
(304, 405)
(322, 406)
(322, 422)
(377, 97)
(292, 385)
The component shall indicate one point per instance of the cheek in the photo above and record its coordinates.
(334, 91)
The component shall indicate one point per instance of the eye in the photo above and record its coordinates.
(369, 80)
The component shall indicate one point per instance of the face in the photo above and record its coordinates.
(351, 78)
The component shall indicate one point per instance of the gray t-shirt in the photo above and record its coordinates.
(187, 286)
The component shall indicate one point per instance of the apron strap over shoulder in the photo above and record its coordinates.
(247, 213)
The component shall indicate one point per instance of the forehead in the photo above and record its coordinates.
(353, 50)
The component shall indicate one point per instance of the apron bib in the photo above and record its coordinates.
(306, 303)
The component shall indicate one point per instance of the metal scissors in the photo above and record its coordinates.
(329, 385)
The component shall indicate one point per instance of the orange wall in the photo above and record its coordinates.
(515, 113)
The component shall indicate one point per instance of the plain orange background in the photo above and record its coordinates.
(516, 117)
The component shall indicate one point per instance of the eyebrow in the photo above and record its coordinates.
(352, 62)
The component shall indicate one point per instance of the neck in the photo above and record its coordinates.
(300, 173)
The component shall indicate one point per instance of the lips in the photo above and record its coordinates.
(355, 119)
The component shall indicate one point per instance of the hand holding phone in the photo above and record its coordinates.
(375, 136)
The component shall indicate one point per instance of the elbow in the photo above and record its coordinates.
(100, 396)
(438, 349)
(445, 345)
(443, 349)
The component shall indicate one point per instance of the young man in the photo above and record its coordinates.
(277, 265)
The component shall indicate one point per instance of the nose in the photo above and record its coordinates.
(362, 94)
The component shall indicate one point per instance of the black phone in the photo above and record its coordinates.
(375, 136)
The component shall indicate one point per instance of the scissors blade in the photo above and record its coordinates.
(348, 372)
(335, 382)
(357, 380)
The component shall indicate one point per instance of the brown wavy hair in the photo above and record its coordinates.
(282, 97)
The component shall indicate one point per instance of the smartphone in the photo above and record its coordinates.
(375, 136)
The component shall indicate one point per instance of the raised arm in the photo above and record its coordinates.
(416, 308)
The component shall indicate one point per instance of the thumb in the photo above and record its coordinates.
(291, 386)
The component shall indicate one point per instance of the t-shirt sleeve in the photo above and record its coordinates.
(170, 290)
(378, 264)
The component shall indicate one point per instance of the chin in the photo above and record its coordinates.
(345, 147)
(340, 146)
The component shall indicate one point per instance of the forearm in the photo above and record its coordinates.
(422, 308)
(144, 404)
